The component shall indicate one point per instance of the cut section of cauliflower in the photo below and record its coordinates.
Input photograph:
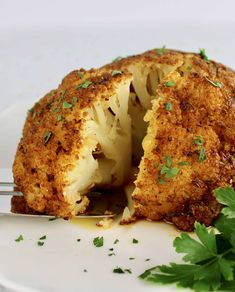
(147, 69)
(75, 138)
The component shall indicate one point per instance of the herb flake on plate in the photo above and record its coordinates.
(98, 241)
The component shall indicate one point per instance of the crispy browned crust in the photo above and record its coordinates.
(199, 109)
(41, 163)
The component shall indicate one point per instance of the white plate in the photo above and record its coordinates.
(34, 60)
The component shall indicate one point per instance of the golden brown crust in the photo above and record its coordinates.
(52, 138)
(199, 108)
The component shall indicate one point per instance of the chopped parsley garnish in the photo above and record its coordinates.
(67, 104)
(116, 241)
(116, 72)
(98, 241)
(214, 83)
(168, 106)
(74, 100)
(40, 243)
(118, 271)
(147, 260)
(59, 118)
(121, 271)
(189, 68)
(111, 249)
(47, 136)
(210, 260)
(135, 240)
(202, 154)
(169, 83)
(161, 51)
(202, 53)
(198, 140)
(43, 237)
(112, 254)
(80, 74)
(117, 59)
(79, 239)
(131, 259)
(183, 163)
(55, 110)
(161, 181)
(84, 84)
(167, 171)
(19, 238)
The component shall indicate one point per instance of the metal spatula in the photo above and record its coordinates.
(103, 203)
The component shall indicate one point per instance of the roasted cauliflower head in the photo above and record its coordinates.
(88, 133)
(75, 138)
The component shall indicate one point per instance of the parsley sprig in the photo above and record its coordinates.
(167, 171)
(210, 260)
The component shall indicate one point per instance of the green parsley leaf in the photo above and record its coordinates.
(135, 241)
(214, 83)
(40, 243)
(202, 53)
(43, 237)
(169, 83)
(19, 238)
(202, 154)
(147, 260)
(189, 68)
(67, 105)
(98, 241)
(80, 74)
(161, 181)
(112, 254)
(183, 163)
(208, 270)
(84, 84)
(211, 256)
(198, 141)
(118, 271)
(131, 258)
(55, 110)
(47, 136)
(226, 196)
(59, 118)
(74, 100)
(116, 241)
(168, 106)
(161, 51)
(116, 72)
(169, 172)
